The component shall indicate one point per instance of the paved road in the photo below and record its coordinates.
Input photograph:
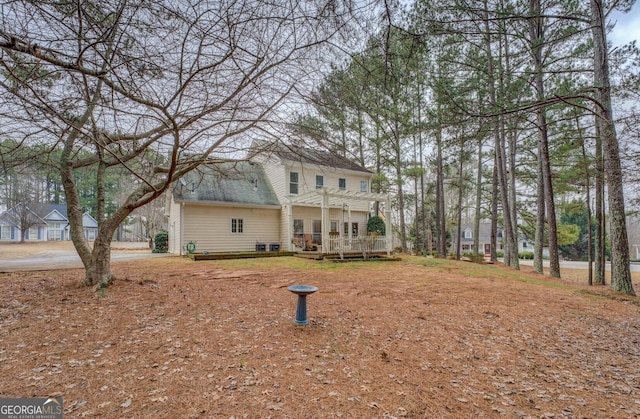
(578, 265)
(65, 259)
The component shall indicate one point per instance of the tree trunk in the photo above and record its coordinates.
(98, 273)
(599, 246)
(494, 212)
(426, 227)
(510, 243)
(620, 261)
(441, 233)
(476, 218)
(460, 184)
(538, 261)
(536, 35)
(398, 158)
(587, 176)
(509, 135)
(417, 219)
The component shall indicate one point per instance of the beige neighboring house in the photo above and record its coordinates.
(280, 198)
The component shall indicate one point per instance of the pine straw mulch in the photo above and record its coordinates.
(418, 338)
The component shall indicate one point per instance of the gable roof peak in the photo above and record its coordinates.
(299, 153)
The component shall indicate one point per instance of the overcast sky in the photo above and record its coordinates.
(627, 27)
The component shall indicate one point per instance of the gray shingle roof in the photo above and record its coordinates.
(240, 182)
(295, 153)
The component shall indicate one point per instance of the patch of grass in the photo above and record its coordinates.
(485, 271)
(289, 262)
(267, 264)
(607, 294)
(546, 283)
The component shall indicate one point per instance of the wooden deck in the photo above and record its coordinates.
(347, 257)
(237, 255)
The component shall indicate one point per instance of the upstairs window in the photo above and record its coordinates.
(319, 181)
(237, 225)
(467, 234)
(342, 184)
(293, 183)
(364, 186)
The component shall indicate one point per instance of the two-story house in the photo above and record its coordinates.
(281, 197)
(484, 240)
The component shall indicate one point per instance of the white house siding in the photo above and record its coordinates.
(210, 227)
(286, 230)
(175, 227)
(307, 181)
(279, 182)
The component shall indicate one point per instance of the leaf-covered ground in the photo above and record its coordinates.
(417, 338)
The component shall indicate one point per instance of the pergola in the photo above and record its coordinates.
(327, 198)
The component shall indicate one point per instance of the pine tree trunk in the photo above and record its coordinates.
(587, 176)
(538, 261)
(536, 35)
(476, 219)
(510, 243)
(599, 246)
(494, 212)
(441, 234)
(459, 229)
(620, 261)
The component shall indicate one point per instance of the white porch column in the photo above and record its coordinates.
(387, 225)
(289, 238)
(325, 220)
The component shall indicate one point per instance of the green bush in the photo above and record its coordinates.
(161, 242)
(525, 255)
(500, 254)
(376, 224)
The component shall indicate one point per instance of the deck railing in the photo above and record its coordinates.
(356, 244)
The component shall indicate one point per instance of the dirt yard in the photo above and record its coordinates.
(420, 338)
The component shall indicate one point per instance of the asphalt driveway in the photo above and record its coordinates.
(68, 259)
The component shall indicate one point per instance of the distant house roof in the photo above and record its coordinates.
(49, 213)
(45, 210)
(485, 233)
(88, 221)
(294, 153)
(239, 182)
(13, 215)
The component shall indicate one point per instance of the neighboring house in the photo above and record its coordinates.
(281, 198)
(484, 238)
(52, 224)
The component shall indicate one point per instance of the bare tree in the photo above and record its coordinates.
(154, 87)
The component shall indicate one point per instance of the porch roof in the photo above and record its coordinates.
(336, 197)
